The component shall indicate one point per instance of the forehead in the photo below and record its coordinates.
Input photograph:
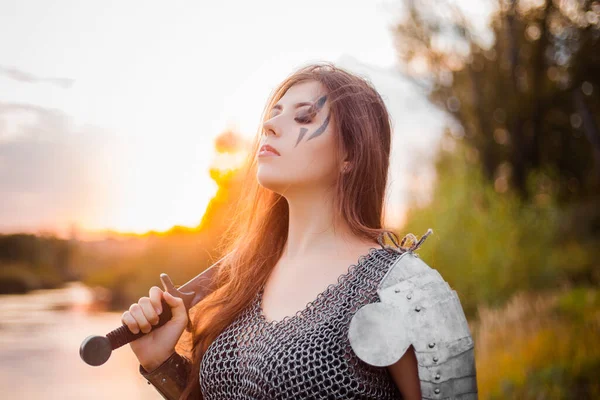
(304, 91)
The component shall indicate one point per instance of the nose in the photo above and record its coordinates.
(269, 127)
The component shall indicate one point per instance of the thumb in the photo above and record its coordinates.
(177, 307)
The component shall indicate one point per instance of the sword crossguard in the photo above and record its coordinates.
(169, 287)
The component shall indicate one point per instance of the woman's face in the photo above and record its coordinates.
(299, 127)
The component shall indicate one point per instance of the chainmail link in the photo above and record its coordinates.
(304, 356)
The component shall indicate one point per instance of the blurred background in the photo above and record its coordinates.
(124, 126)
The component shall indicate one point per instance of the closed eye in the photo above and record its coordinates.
(303, 119)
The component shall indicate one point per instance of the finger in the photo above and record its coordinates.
(156, 298)
(148, 310)
(130, 322)
(177, 307)
(139, 316)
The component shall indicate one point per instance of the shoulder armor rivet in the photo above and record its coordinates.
(397, 290)
(437, 391)
(431, 345)
(409, 296)
(177, 365)
(164, 380)
(435, 359)
(418, 308)
(437, 376)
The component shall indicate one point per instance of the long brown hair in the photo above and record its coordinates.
(259, 226)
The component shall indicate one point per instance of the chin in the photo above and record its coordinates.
(270, 181)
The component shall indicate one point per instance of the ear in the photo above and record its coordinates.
(346, 166)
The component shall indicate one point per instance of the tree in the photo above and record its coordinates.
(530, 102)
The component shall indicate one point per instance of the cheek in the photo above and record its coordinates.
(317, 158)
(311, 160)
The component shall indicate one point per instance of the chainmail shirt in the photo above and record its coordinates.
(304, 356)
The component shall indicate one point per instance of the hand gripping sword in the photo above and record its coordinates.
(96, 350)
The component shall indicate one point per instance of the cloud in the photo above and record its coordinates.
(27, 77)
(51, 172)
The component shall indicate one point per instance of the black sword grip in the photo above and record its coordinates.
(95, 350)
(122, 335)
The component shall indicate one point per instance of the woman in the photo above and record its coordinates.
(308, 253)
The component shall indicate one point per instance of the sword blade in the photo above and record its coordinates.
(197, 288)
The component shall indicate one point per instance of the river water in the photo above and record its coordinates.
(40, 335)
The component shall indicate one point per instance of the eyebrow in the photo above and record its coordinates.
(297, 105)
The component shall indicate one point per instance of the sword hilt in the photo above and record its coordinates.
(96, 350)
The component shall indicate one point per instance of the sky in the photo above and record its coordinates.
(109, 109)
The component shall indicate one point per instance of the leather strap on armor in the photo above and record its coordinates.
(170, 378)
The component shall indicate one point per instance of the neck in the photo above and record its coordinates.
(313, 228)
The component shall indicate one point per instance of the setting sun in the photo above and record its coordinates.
(129, 120)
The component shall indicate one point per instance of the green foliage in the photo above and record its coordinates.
(30, 262)
(130, 275)
(556, 382)
(18, 278)
(579, 304)
(488, 245)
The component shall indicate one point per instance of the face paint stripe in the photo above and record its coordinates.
(320, 130)
(315, 108)
(321, 102)
(301, 135)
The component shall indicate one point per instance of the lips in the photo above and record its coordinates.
(268, 148)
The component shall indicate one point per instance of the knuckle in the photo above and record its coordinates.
(157, 299)
(134, 307)
(155, 293)
(131, 323)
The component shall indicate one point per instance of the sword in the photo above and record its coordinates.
(96, 350)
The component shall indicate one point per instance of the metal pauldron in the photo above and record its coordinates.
(418, 307)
